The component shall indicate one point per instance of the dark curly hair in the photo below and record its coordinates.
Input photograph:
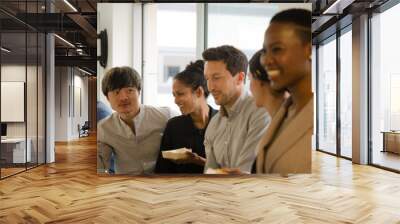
(235, 60)
(193, 76)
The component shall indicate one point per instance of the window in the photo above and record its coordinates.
(346, 94)
(237, 31)
(174, 36)
(228, 24)
(169, 45)
(385, 87)
(327, 96)
(22, 64)
(171, 72)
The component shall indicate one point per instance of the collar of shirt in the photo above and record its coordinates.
(234, 110)
(137, 120)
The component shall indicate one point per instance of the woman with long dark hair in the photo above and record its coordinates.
(187, 131)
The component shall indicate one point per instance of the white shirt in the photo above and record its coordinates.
(134, 154)
(233, 134)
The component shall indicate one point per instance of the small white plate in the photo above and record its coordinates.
(176, 154)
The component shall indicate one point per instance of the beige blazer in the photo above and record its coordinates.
(288, 150)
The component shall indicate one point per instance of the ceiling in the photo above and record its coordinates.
(75, 21)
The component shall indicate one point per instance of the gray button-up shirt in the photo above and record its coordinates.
(232, 136)
(134, 154)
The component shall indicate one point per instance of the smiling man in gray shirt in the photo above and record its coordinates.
(233, 133)
(133, 133)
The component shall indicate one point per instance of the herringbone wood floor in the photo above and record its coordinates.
(69, 191)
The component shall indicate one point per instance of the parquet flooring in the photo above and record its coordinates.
(9, 171)
(70, 191)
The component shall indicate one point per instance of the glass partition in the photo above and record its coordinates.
(22, 79)
(31, 97)
(346, 94)
(327, 96)
(13, 86)
(385, 89)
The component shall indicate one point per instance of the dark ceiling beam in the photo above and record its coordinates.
(86, 26)
(76, 61)
(91, 5)
(86, 51)
(49, 22)
(320, 23)
(60, 22)
(16, 18)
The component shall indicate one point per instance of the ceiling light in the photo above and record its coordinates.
(64, 40)
(70, 5)
(337, 7)
(5, 50)
(86, 72)
(331, 8)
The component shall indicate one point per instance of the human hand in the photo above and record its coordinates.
(187, 157)
(225, 170)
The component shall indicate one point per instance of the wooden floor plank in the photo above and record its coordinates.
(70, 191)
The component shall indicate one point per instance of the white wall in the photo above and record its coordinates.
(68, 82)
(33, 126)
(14, 73)
(119, 21)
(61, 103)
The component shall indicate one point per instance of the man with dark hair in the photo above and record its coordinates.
(133, 133)
(233, 133)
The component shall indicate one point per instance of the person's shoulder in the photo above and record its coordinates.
(159, 113)
(252, 110)
(215, 120)
(107, 125)
(178, 120)
(108, 121)
(159, 110)
(249, 103)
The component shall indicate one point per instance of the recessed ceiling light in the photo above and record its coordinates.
(86, 72)
(64, 40)
(70, 5)
(5, 50)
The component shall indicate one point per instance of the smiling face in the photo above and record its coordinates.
(186, 99)
(124, 100)
(286, 57)
(224, 87)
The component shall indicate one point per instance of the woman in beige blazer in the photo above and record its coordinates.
(286, 145)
